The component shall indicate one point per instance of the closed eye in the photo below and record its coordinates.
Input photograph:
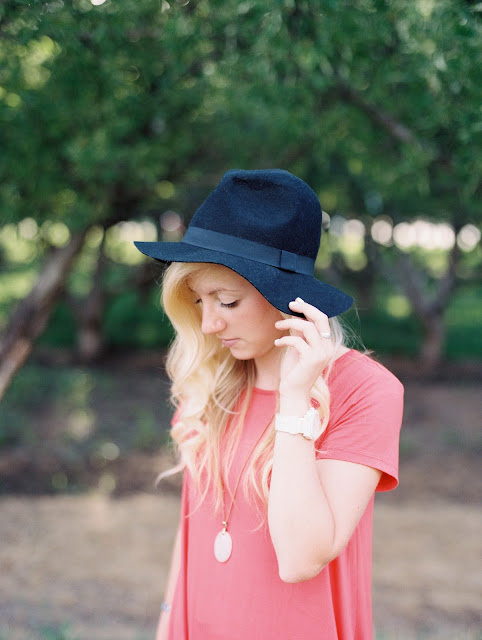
(227, 305)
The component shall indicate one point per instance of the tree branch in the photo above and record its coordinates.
(33, 312)
(396, 129)
(447, 282)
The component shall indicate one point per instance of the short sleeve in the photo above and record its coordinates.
(365, 418)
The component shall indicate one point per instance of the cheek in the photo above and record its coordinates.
(266, 318)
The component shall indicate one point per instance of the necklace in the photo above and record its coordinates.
(223, 543)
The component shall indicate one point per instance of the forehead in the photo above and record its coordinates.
(215, 278)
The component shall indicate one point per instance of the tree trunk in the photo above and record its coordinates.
(90, 341)
(433, 344)
(427, 306)
(33, 312)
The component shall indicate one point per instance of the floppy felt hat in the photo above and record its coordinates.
(266, 226)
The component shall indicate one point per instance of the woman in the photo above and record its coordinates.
(285, 434)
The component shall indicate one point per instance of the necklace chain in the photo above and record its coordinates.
(226, 518)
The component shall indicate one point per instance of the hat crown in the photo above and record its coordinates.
(270, 207)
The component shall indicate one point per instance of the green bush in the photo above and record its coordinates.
(129, 322)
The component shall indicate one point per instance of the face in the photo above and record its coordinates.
(235, 312)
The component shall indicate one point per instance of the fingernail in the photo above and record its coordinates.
(299, 300)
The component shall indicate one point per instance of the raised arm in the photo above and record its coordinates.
(314, 506)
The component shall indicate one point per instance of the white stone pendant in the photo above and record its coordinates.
(223, 546)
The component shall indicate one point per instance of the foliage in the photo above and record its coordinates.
(104, 104)
(96, 102)
(120, 111)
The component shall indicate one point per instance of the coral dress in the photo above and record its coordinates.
(244, 598)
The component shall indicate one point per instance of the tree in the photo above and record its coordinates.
(97, 108)
(116, 111)
(377, 103)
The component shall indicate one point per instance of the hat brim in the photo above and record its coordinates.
(278, 286)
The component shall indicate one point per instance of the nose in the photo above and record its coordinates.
(212, 322)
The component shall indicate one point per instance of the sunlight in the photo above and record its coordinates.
(170, 221)
(424, 234)
(337, 225)
(172, 227)
(57, 233)
(81, 423)
(165, 189)
(404, 235)
(28, 228)
(355, 228)
(398, 306)
(119, 243)
(382, 231)
(426, 7)
(107, 482)
(468, 237)
(15, 247)
(110, 451)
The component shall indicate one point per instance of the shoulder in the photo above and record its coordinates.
(366, 412)
(358, 371)
(361, 386)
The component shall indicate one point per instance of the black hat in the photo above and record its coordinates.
(266, 226)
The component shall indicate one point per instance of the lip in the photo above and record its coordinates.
(229, 342)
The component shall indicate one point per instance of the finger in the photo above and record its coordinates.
(297, 343)
(305, 328)
(311, 313)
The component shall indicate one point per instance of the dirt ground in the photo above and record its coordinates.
(93, 566)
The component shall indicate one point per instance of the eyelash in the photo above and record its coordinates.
(229, 305)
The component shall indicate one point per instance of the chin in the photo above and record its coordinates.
(240, 354)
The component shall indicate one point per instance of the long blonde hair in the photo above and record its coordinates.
(210, 388)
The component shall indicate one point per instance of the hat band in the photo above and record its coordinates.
(221, 242)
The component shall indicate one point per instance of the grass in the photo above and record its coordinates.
(78, 423)
(462, 634)
(61, 632)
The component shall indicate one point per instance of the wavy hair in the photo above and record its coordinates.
(211, 390)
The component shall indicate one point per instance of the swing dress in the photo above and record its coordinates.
(244, 598)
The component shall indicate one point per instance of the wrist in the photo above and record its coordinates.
(294, 404)
(308, 425)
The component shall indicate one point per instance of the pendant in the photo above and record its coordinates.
(223, 546)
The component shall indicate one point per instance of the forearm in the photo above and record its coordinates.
(300, 520)
(162, 629)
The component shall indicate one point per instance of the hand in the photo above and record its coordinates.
(307, 353)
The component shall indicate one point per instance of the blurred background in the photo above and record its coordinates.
(117, 119)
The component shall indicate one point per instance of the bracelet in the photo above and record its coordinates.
(165, 608)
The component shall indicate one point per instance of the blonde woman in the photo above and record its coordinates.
(284, 433)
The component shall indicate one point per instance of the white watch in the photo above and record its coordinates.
(308, 426)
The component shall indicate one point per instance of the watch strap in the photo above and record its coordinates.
(308, 425)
